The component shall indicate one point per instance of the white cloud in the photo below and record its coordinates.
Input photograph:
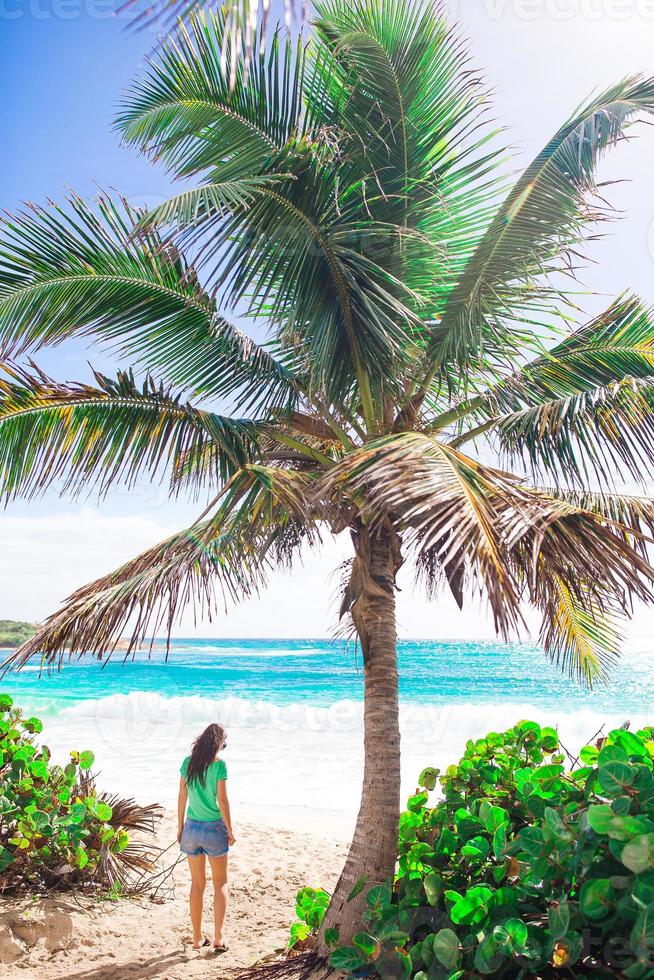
(45, 558)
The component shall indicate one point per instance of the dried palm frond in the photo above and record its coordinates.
(263, 519)
(126, 867)
(476, 526)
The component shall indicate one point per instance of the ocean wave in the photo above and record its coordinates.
(287, 755)
(239, 651)
(433, 722)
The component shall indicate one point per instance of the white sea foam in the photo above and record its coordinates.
(244, 653)
(296, 754)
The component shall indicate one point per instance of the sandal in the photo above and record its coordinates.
(220, 948)
(206, 942)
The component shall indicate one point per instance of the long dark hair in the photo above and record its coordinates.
(204, 751)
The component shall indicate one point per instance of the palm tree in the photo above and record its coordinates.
(351, 197)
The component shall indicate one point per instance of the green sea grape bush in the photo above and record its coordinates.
(56, 830)
(530, 864)
(310, 907)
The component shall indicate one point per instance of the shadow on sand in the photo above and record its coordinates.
(157, 966)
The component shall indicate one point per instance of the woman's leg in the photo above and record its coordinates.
(220, 895)
(197, 865)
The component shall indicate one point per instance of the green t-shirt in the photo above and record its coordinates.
(202, 799)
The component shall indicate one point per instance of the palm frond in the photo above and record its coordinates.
(408, 105)
(199, 106)
(128, 866)
(341, 253)
(626, 514)
(86, 437)
(555, 410)
(261, 522)
(616, 344)
(217, 200)
(602, 432)
(83, 271)
(306, 262)
(440, 499)
(581, 639)
(478, 527)
(539, 228)
(242, 17)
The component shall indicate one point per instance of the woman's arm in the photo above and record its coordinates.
(181, 807)
(223, 804)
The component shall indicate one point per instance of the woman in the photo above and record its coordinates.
(207, 832)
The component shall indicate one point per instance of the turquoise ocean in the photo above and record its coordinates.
(293, 710)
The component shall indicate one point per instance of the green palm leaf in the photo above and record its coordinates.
(599, 432)
(197, 106)
(242, 17)
(82, 437)
(616, 344)
(411, 109)
(83, 271)
(539, 228)
(555, 410)
(290, 249)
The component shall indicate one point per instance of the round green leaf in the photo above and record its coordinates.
(40, 819)
(558, 918)
(299, 932)
(86, 760)
(77, 812)
(365, 942)
(433, 885)
(601, 817)
(494, 817)
(428, 777)
(103, 811)
(631, 743)
(38, 769)
(531, 840)
(517, 930)
(469, 910)
(379, 895)
(553, 820)
(588, 755)
(33, 725)
(446, 948)
(595, 898)
(638, 854)
(476, 849)
(615, 776)
(347, 958)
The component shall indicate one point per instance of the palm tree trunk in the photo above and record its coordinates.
(371, 600)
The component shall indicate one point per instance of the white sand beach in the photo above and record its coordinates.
(68, 937)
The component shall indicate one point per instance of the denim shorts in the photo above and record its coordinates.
(204, 837)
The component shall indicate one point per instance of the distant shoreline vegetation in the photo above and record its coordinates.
(12, 633)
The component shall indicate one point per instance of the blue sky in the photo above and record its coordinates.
(63, 65)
